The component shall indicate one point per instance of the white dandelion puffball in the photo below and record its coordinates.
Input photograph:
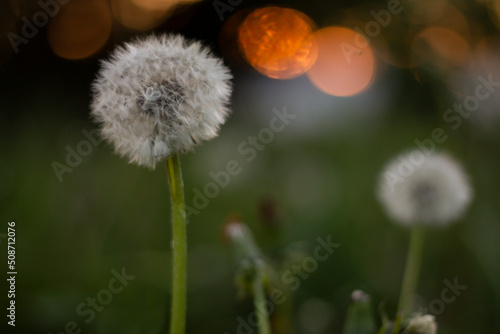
(427, 189)
(159, 96)
(422, 324)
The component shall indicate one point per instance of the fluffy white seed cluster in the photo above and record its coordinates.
(422, 324)
(418, 188)
(159, 96)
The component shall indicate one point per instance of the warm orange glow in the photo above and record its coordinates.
(345, 65)
(486, 53)
(278, 42)
(80, 29)
(440, 46)
(141, 14)
(438, 13)
(160, 5)
(456, 21)
(425, 11)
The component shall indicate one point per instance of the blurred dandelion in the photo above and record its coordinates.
(429, 190)
(253, 271)
(420, 190)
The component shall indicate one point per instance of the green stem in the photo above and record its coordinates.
(397, 323)
(179, 263)
(412, 270)
(260, 305)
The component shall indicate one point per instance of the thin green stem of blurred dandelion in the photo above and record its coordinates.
(260, 304)
(253, 272)
(397, 323)
(179, 238)
(385, 319)
(412, 270)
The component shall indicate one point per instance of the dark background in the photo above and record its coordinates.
(316, 178)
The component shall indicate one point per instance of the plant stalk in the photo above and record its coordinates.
(179, 244)
(412, 270)
(260, 305)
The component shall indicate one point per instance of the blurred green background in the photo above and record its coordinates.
(314, 179)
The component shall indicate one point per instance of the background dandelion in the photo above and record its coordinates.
(420, 190)
(416, 188)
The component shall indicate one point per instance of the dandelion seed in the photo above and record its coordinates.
(430, 190)
(159, 96)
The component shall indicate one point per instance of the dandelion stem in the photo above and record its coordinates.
(260, 305)
(412, 270)
(179, 237)
(397, 323)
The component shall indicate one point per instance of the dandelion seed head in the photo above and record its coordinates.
(416, 188)
(422, 324)
(160, 95)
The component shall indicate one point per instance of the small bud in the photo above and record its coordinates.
(251, 265)
(359, 296)
(241, 238)
(269, 213)
(359, 315)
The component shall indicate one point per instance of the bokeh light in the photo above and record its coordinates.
(425, 11)
(485, 63)
(345, 64)
(278, 42)
(486, 54)
(454, 20)
(494, 10)
(391, 43)
(440, 46)
(161, 5)
(141, 15)
(438, 13)
(442, 34)
(80, 29)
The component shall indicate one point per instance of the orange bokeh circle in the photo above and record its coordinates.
(440, 46)
(142, 15)
(80, 29)
(278, 42)
(345, 64)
